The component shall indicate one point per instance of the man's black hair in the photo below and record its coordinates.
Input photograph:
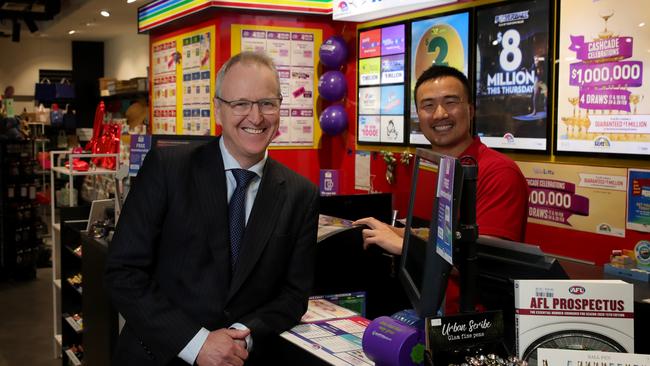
(436, 72)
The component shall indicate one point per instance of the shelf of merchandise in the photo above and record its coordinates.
(74, 324)
(62, 156)
(73, 358)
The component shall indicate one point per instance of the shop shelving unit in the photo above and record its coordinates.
(70, 215)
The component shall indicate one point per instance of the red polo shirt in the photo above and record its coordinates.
(501, 193)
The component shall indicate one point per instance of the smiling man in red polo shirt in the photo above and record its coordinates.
(445, 110)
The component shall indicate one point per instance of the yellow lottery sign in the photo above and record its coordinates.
(440, 45)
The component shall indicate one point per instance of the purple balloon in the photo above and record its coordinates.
(333, 52)
(332, 85)
(333, 120)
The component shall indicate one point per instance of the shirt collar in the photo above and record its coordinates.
(229, 162)
(473, 149)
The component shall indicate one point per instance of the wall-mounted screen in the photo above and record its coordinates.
(381, 103)
(601, 105)
(512, 75)
(442, 40)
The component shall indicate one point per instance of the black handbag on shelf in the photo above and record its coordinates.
(44, 90)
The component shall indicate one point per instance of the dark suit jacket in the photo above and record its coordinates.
(168, 267)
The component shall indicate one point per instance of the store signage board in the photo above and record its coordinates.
(441, 40)
(512, 72)
(601, 97)
(160, 12)
(638, 200)
(366, 10)
(295, 54)
(382, 102)
(577, 197)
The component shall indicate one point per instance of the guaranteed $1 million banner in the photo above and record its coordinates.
(601, 105)
(512, 75)
(584, 198)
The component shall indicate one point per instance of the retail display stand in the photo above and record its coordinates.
(69, 214)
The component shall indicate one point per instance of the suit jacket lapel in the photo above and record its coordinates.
(260, 223)
(210, 181)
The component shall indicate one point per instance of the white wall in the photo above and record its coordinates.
(20, 62)
(126, 57)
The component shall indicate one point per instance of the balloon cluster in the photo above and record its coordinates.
(332, 86)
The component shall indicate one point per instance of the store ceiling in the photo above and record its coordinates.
(82, 16)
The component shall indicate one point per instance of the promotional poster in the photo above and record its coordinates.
(638, 200)
(583, 198)
(572, 313)
(601, 105)
(445, 195)
(294, 52)
(441, 41)
(381, 107)
(512, 75)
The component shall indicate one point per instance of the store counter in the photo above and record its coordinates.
(343, 266)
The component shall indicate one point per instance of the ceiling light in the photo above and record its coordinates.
(130, 1)
(642, 24)
(105, 13)
(72, 31)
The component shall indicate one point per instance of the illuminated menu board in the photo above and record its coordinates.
(512, 75)
(601, 105)
(381, 103)
(441, 40)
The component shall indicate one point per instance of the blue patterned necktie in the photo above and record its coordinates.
(237, 213)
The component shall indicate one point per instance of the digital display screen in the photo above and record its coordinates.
(512, 75)
(381, 103)
(601, 106)
(442, 40)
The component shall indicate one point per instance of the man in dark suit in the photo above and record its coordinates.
(189, 289)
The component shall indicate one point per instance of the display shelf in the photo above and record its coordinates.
(74, 251)
(72, 357)
(91, 171)
(78, 290)
(73, 215)
(76, 326)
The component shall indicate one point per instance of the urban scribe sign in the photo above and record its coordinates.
(161, 12)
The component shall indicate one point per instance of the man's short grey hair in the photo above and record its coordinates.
(249, 58)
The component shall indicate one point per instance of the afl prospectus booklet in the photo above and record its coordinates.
(576, 314)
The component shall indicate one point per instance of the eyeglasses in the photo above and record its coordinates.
(449, 104)
(243, 107)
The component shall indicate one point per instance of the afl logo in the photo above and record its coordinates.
(576, 290)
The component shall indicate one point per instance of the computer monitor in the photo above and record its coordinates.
(423, 272)
(500, 262)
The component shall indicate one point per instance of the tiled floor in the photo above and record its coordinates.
(26, 322)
